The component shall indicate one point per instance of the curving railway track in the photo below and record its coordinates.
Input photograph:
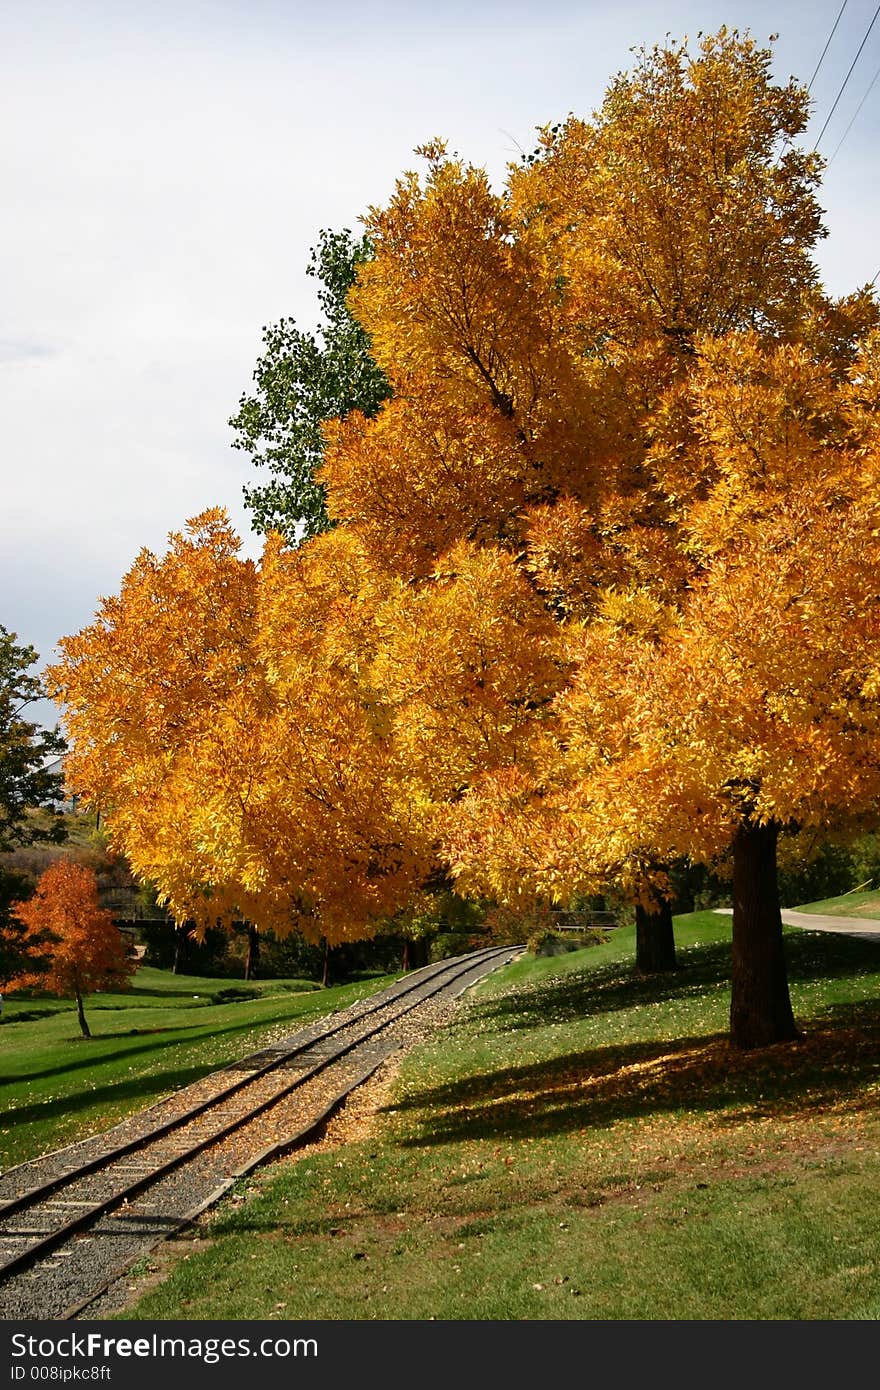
(73, 1221)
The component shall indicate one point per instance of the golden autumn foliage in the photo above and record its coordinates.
(584, 309)
(468, 663)
(71, 944)
(602, 585)
(464, 306)
(347, 840)
(684, 207)
(245, 769)
(162, 696)
(299, 789)
(560, 319)
(762, 691)
(420, 477)
(755, 697)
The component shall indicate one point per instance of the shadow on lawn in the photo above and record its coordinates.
(151, 1085)
(831, 1065)
(615, 986)
(179, 1037)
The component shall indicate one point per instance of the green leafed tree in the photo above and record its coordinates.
(14, 888)
(25, 749)
(25, 785)
(300, 380)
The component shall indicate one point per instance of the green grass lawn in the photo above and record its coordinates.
(166, 1031)
(866, 904)
(583, 1143)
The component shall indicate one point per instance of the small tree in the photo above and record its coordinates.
(25, 782)
(69, 945)
(28, 790)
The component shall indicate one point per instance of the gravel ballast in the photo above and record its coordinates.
(69, 1279)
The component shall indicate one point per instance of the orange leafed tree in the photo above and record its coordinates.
(224, 717)
(600, 314)
(608, 378)
(541, 340)
(750, 711)
(283, 760)
(72, 944)
(162, 696)
(760, 716)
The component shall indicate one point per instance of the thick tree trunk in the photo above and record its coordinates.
(252, 959)
(760, 1007)
(81, 1015)
(655, 940)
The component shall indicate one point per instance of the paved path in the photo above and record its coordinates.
(868, 928)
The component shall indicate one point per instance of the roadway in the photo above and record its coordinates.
(868, 928)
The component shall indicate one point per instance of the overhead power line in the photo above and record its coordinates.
(871, 86)
(827, 46)
(848, 76)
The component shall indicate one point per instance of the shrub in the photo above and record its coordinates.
(546, 942)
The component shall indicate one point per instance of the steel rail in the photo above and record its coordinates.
(36, 1250)
(311, 1129)
(32, 1195)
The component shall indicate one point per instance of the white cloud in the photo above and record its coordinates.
(172, 165)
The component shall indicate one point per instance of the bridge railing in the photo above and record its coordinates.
(584, 919)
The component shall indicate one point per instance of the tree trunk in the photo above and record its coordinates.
(415, 953)
(655, 940)
(81, 1014)
(252, 959)
(760, 1007)
(326, 977)
(179, 933)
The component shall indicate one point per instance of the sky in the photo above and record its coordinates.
(167, 167)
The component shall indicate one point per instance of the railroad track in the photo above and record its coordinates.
(72, 1222)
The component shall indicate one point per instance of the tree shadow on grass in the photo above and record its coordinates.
(132, 1088)
(616, 985)
(90, 1060)
(832, 1065)
(814, 955)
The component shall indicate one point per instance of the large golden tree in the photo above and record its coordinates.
(618, 392)
(749, 710)
(546, 345)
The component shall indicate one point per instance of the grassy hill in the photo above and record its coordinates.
(582, 1143)
(866, 904)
